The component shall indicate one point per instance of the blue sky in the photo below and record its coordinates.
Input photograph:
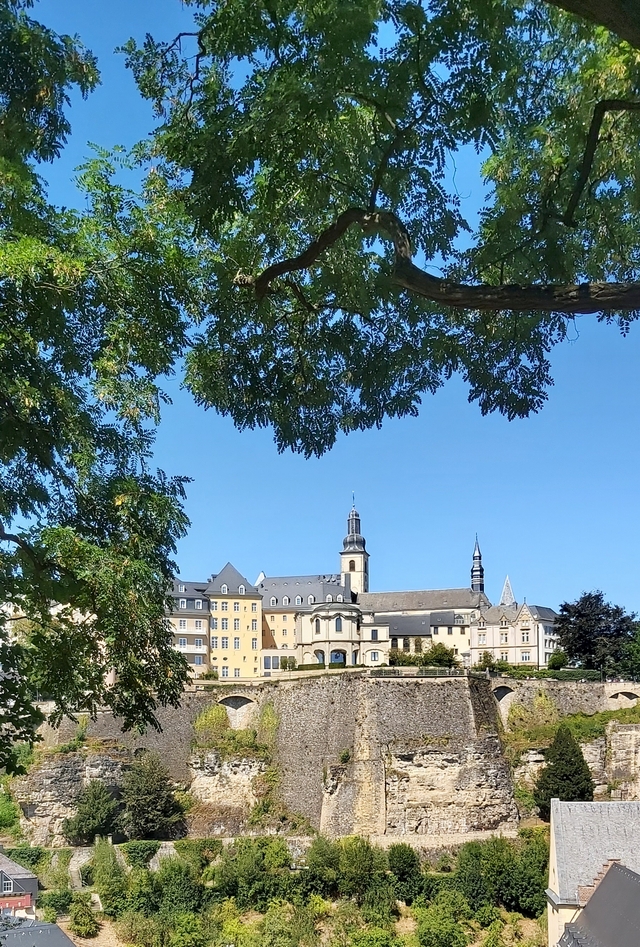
(553, 498)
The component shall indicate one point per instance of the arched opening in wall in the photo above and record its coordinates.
(338, 657)
(501, 692)
(352, 565)
(319, 656)
(240, 710)
(623, 699)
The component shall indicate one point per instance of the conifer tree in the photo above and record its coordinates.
(566, 775)
(95, 815)
(150, 808)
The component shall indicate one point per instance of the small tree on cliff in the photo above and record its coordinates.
(95, 815)
(566, 775)
(151, 810)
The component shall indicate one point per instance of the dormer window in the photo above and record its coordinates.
(311, 599)
(329, 598)
(241, 590)
(298, 600)
(339, 598)
(7, 885)
(285, 600)
(224, 589)
(273, 601)
(199, 603)
(183, 603)
(182, 588)
(482, 623)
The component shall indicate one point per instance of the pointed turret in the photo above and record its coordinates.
(507, 598)
(477, 572)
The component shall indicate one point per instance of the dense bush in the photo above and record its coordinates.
(178, 886)
(28, 856)
(140, 852)
(83, 920)
(254, 872)
(142, 893)
(109, 879)
(198, 852)
(59, 901)
(96, 812)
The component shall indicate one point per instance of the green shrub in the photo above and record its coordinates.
(151, 810)
(109, 879)
(28, 856)
(58, 901)
(9, 811)
(345, 756)
(49, 915)
(487, 914)
(140, 852)
(198, 852)
(142, 896)
(404, 865)
(96, 812)
(179, 887)
(140, 930)
(83, 920)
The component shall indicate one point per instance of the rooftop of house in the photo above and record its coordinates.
(426, 600)
(319, 586)
(13, 870)
(35, 934)
(611, 917)
(587, 835)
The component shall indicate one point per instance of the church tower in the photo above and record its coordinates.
(354, 558)
(477, 571)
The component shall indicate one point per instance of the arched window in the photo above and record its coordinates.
(352, 565)
(406, 644)
(241, 590)
(273, 601)
(338, 624)
(329, 598)
(285, 600)
(284, 647)
(224, 589)
(311, 599)
(298, 600)
(339, 598)
(317, 626)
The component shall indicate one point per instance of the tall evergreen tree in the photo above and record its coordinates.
(150, 808)
(96, 811)
(566, 775)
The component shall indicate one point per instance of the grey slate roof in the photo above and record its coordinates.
(612, 915)
(493, 615)
(192, 589)
(544, 614)
(405, 624)
(39, 934)
(13, 870)
(305, 585)
(230, 577)
(587, 835)
(428, 600)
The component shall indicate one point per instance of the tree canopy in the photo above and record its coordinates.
(596, 635)
(314, 149)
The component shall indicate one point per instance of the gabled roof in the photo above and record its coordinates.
(13, 870)
(37, 934)
(304, 585)
(587, 835)
(512, 613)
(230, 577)
(612, 915)
(428, 600)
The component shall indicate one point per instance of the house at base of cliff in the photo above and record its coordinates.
(18, 889)
(243, 630)
(588, 840)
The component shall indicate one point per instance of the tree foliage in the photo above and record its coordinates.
(565, 775)
(96, 812)
(315, 148)
(151, 810)
(595, 634)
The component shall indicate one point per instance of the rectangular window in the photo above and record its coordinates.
(214, 624)
(374, 655)
(284, 617)
(214, 641)
(236, 644)
(254, 606)
(504, 655)
(225, 642)
(525, 637)
(449, 630)
(482, 638)
(272, 618)
(198, 659)
(225, 624)
(182, 623)
(236, 624)
(214, 606)
(504, 637)
(236, 672)
(525, 656)
(236, 606)
(182, 588)
(434, 630)
(199, 603)
(254, 624)
(183, 603)
(224, 606)
(198, 642)
(198, 624)
(7, 884)
(284, 632)
(254, 644)
(275, 663)
(374, 637)
(267, 664)
(225, 672)
(182, 642)
(463, 630)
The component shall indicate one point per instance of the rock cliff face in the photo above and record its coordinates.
(380, 757)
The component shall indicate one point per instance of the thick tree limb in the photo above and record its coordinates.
(622, 17)
(571, 299)
(607, 105)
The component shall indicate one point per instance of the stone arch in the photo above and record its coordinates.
(622, 699)
(501, 692)
(240, 710)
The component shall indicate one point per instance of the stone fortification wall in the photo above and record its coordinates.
(354, 754)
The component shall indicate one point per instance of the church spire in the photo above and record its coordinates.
(354, 541)
(477, 571)
(507, 598)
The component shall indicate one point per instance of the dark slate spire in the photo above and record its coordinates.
(477, 572)
(354, 540)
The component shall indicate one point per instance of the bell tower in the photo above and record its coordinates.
(354, 558)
